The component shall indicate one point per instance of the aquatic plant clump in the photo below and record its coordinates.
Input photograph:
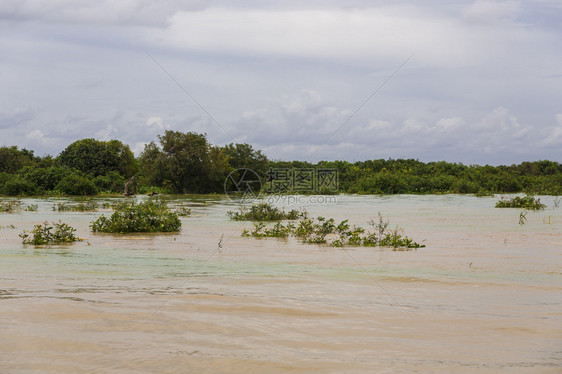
(326, 231)
(527, 202)
(9, 206)
(182, 210)
(148, 216)
(45, 234)
(265, 212)
(88, 206)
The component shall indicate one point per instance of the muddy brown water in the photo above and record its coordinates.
(484, 295)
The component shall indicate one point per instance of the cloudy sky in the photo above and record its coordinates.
(465, 81)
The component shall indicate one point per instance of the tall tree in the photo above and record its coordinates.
(243, 155)
(96, 157)
(13, 159)
(185, 163)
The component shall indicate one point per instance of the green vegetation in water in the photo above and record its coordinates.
(484, 193)
(148, 216)
(265, 212)
(326, 231)
(56, 233)
(523, 217)
(32, 208)
(10, 206)
(88, 206)
(182, 210)
(527, 202)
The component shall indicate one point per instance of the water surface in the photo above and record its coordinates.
(483, 296)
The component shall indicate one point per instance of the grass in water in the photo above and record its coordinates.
(527, 202)
(55, 233)
(88, 206)
(265, 212)
(9, 206)
(326, 231)
(523, 217)
(182, 210)
(148, 216)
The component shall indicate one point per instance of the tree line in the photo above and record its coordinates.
(187, 163)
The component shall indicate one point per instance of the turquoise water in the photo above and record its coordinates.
(484, 295)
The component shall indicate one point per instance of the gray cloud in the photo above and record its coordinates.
(482, 87)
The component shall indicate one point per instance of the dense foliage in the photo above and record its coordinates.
(57, 233)
(96, 157)
(184, 163)
(148, 216)
(416, 177)
(525, 202)
(188, 163)
(264, 212)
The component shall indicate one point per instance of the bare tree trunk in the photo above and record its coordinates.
(131, 187)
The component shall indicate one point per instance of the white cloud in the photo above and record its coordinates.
(35, 135)
(555, 136)
(449, 124)
(491, 11)
(112, 12)
(155, 122)
(388, 32)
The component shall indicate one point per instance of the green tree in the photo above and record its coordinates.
(96, 157)
(243, 155)
(13, 159)
(74, 184)
(184, 163)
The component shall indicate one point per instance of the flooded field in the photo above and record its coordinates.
(484, 295)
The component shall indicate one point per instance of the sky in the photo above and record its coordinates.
(477, 82)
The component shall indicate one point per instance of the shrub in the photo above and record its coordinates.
(483, 193)
(45, 234)
(182, 210)
(17, 186)
(32, 208)
(46, 179)
(325, 231)
(149, 216)
(264, 212)
(74, 184)
(526, 202)
(111, 182)
(88, 206)
(9, 206)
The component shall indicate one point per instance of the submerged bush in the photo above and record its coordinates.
(484, 193)
(148, 216)
(182, 210)
(45, 234)
(526, 202)
(88, 206)
(32, 208)
(264, 212)
(9, 206)
(325, 231)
